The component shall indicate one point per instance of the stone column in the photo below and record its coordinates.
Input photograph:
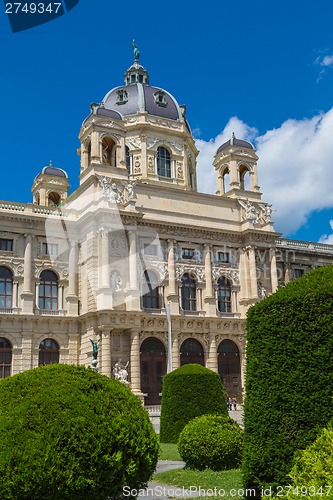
(212, 355)
(252, 272)
(135, 363)
(274, 279)
(171, 267)
(132, 260)
(144, 170)
(72, 298)
(27, 294)
(120, 160)
(60, 297)
(105, 367)
(208, 271)
(234, 301)
(243, 274)
(15, 290)
(175, 352)
(95, 148)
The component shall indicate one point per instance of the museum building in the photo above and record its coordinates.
(103, 264)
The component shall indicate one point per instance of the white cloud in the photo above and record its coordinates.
(327, 61)
(328, 239)
(294, 168)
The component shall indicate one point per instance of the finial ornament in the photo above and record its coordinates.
(135, 51)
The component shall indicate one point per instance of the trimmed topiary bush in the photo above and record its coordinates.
(68, 432)
(289, 380)
(188, 392)
(211, 442)
(312, 473)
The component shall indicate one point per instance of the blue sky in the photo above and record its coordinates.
(261, 69)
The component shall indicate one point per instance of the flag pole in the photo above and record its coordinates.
(168, 315)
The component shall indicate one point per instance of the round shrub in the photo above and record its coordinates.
(213, 442)
(68, 432)
(289, 376)
(188, 392)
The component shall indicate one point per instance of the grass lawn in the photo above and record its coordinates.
(228, 483)
(169, 451)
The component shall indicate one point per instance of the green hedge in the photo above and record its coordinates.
(211, 442)
(188, 392)
(289, 380)
(69, 433)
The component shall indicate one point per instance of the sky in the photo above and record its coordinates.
(263, 70)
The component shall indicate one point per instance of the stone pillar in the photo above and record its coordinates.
(212, 355)
(244, 285)
(175, 352)
(144, 169)
(27, 294)
(15, 295)
(135, 382)
(104, 292)
(172, 296)
(95, 148)
(60, 297)
(208, 271)
(132, 260)
(252, 272)
(121, 160)
(234, 301)
(105, 367)
(274, 279)
(72, 298)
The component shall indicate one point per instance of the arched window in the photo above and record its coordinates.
(163, 162)
(191, 351)
(48, 352)
(153, 368)
(54, 199)
(128, 160)
(224, 295)
(244, 177)
(226, 180)
(150, 291)
(188, 293)
(48, 291)
(5, 357)
(6, 288)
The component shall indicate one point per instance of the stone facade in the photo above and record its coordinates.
(103, 263)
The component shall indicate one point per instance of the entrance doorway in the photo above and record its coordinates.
(191, 351)
(153, 369)
(230, 368)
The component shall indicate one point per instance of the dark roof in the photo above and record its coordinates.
(140, 98)
(235, 142)
(110, 113)
(55, 172)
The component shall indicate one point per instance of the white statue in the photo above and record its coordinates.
(120, 372)
(267, 212)
(252, 214)
(116, 281)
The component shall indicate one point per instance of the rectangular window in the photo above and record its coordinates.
(299, 273)
(188, 253)
(49, 249)
(6, 245)
(149, 249)
(223, 256)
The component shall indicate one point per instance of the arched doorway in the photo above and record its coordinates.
(230, 368)
(153, 369)
(191, 351)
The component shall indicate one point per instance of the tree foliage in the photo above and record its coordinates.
(69, 433)
(289, 380)
(188, 392)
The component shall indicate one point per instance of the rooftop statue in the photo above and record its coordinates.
(135, 51)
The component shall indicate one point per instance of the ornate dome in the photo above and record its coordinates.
(55, 172)
(235, 142)
(137, 96)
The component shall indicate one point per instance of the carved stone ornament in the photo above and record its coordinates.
(163, 123)
(180, 172)
(151, 142)
(262, 292)
(111, 192)
(231, 274)
(161, 268)
(137, 165)
(151, 166)
(250, 212)
(116, 282)
(195, 270)
(266, 213)
(134, 142)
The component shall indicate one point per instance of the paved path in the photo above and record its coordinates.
(158, 491)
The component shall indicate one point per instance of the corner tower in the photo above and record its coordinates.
(139, 132)
(235, 164)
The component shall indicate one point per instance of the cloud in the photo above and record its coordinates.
(294, 167)
(328, 239)
(325, 62)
